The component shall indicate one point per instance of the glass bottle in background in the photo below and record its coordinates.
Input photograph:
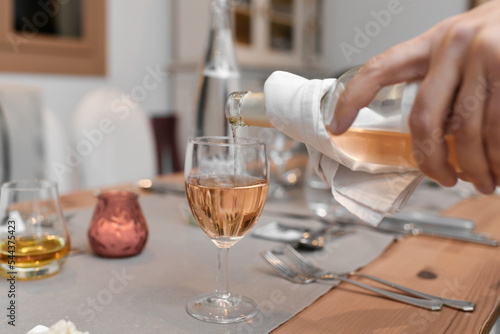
(219, 74)
(378, 135)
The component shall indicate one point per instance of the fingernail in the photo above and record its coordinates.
(486, 189)
(462, 176)
(449, 183)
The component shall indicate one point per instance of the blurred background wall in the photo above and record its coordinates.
(356, 30)
(138, 38)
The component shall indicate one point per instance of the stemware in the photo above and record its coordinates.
(226, 187)
(34, 239)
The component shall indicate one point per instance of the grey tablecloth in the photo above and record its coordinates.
(147, 293)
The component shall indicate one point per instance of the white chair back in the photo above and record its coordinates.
(112, 139)
(22, 146)
(56, 145)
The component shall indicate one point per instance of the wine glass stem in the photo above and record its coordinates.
(222, 278)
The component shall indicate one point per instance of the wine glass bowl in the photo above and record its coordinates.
(34, 239)
(226, 187)
(247, 200)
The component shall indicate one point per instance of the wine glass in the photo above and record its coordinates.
(34, 239)
(226, 187)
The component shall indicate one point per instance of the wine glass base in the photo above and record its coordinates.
(210, 308)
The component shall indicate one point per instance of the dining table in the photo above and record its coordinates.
(162, 283)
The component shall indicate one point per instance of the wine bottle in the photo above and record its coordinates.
(219, 74)
(379, 134)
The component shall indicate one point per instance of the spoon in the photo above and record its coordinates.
(318, 240)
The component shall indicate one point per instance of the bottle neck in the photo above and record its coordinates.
(247, 109)
(233, 108)
(219, 10)
(220, 55)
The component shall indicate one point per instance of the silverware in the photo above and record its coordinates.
(317, 240)
(278, 231)
(308, 267)
(160, 187)
(456, 234)
(426, 219)
(390, 225)
(420, 219)
(300, 236)
(413, 224)
(304, 278)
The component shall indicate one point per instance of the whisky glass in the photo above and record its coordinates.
(34, 239)
(226, 187)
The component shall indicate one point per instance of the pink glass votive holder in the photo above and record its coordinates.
(118, 227)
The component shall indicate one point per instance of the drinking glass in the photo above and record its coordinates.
(34, 239)
(226, 187)
(319, 198)
(281, 150)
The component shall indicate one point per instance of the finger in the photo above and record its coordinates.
(431, 107)
(462, 177)
(467, 127)
(492, 135)
(407, 61)
(404, 62)
(491, 124)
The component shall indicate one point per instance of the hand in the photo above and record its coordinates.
(458, 61)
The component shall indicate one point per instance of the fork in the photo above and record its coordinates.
(303, 278)
(308, 267)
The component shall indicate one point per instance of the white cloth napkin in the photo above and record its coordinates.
(370, 191)
(60, 327)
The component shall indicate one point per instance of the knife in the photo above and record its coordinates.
(456, 234)
(439, 226)
(425, 219)
(160, 187)
(420, 219)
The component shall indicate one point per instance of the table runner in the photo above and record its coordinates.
(147, 293)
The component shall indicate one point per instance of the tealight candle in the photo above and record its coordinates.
(118, 227)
